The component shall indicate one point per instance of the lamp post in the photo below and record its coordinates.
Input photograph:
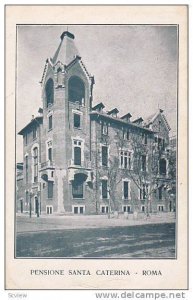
(38, 209)
(30, 204)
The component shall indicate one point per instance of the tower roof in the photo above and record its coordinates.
(66, 51)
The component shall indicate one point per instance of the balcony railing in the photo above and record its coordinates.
(83, 165)
(47, 165)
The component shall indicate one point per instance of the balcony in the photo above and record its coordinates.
(47, 165)
(84, 165)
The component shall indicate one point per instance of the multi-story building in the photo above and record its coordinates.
(79, 158)
(20, 189)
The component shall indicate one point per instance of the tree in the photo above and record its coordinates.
(148, 162)
(145, 166)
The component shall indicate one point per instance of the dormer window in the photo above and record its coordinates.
(99, 107)
(113, 113)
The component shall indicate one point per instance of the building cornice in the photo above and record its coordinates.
(118, 120)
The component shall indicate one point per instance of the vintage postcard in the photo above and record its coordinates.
(96, 147)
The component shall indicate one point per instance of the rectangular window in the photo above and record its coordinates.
(160, 208)
(126, 134)
(143, 163)
(163, 144)
(50, 189)
(144, 192)
(104, 209)
(26, 168)
(160, 192)
(78, 209)
(144, 136)
(50, 154)
(50, 122)
(125, 190)
(81, 210)
(76, 120)
(35, 158)
(34, 132)
(49, 210)
(77, 189)
(143, 208)
(104, 156)
(77, 152)
(104, 189)
(104, 129)
(75, 210)
(125, 159)
(160, 143)
(127, 208)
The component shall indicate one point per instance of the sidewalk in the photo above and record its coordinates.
(45, 222)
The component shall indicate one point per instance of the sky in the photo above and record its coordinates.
(134, 66)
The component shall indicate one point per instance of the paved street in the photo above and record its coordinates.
(144, 240)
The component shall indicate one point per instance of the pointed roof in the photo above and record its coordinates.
(152, 117)
(66, 51)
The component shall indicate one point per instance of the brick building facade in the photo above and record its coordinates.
(79, 158)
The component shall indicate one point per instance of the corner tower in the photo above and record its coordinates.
(67, 100)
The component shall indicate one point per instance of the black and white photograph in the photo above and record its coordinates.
(96, 132)
(96, 148)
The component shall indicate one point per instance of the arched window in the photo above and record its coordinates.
(76, 90)
(49, 92)
(162, 166)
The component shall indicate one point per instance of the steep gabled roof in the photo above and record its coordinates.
(153, 117)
